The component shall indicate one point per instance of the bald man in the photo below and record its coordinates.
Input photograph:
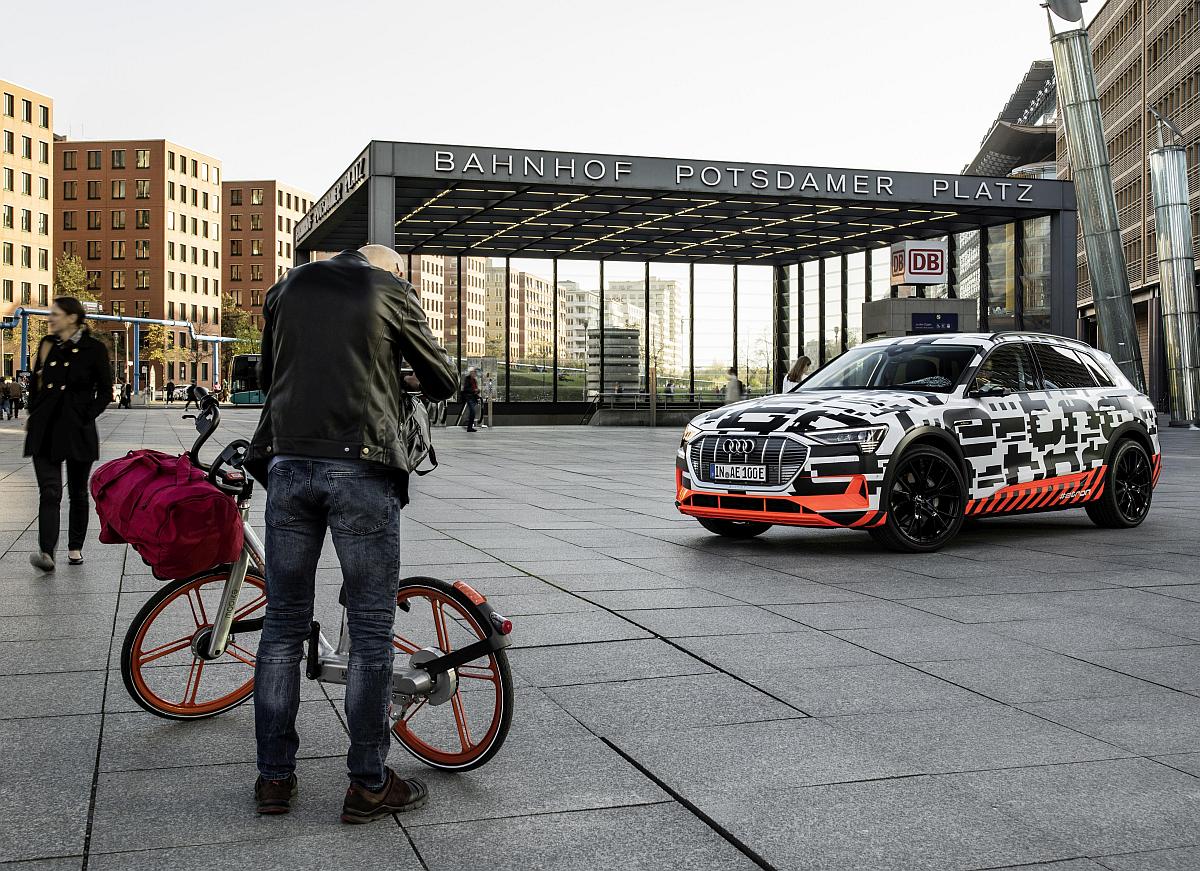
(330, 449)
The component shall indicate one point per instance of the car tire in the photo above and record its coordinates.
(925, 498)
(1128, 488)
(734, 528)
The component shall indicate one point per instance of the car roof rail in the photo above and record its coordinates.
(1027, 334)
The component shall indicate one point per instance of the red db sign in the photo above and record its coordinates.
(918, 263)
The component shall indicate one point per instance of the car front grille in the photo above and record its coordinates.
(782, 456)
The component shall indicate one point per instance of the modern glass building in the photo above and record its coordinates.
(622, 275)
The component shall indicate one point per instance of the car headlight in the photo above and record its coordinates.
(689, 433)
(867, 438)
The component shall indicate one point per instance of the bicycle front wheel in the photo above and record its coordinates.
(464, 725)
(158, 662)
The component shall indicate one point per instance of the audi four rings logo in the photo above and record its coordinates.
(737, 446)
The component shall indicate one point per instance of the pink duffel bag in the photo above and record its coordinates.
(165, 507)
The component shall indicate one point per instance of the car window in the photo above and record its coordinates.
(1008, 366)
(1061, 368)
(1093, 365)
(925, 367)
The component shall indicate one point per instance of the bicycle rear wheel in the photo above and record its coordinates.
(468, 728)
(158, 663)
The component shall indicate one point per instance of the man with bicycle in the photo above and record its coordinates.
(331, 450)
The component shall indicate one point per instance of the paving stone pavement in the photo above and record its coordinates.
(1027, 697)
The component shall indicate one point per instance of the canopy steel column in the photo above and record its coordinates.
(554, 315)
(507, 330)
(821, 313)
(458, 332)
(381, 211)
(602, 328)
(951, 274)
(845, 303)
(801, 305)
(984, 279)
(691, 331)
(1064, 274)
(646, 327)
(781, 303)
(735, 316)
(1019, 274)
(867, 274)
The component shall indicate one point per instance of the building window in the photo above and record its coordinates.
(280, 247)
(170, 190)
(118, 158)
(235, 196)
(8, 285)
(204, 229)
(93, 219)
(26, 220)
(44, 117)
(70, 159)
(9, 143)
(43, 152)
(118, 219)
(235, 223)
(170, 160)
(69, 219)
(43, 294)
(170, 220)
(70, 248)
(25, 291)
(27, 111)
(256, 196)
(142, 157)
(256, 222)
(44, 259)
(235, 248)
(142, 219)
(8, 110)
(27, 148)
(256, 248)
(142, 188)
(93, 250)
(93, 279)
(8, 179)
(195, 174)
(256, 297)
(93, 190)
(195, 197)
(26, 257)
(118, 283)
(93, 160)
(8, 217)
(256, 272)
(195, 229)
(118, 249)
(118, 305)
(118, 189)
(6, 254)
(235, 273)
(43, 224)
(141, 280)
(27, 184)
(170, 250)
(43, 188)
(70, 190)
(141, 249)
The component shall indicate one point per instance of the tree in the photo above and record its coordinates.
(237, 323)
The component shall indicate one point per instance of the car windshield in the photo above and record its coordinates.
(925, 367)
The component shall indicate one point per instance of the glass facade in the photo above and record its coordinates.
(542, 330)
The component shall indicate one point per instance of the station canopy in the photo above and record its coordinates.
(497, 202)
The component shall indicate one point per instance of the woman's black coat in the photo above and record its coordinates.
(68, 391)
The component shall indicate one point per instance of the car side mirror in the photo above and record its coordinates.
(989, 392)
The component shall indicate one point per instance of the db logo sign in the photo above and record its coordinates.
(918, 263)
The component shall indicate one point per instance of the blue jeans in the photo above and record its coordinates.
(472, 411)
(359, 503)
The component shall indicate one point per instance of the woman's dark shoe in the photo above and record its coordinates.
(396, 796)
(274, 796)
(42, 561)
(75, 560)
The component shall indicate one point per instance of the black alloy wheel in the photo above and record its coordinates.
(1129, 487)
(924, 499)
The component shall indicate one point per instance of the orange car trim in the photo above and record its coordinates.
(1074, 489)
(813, 510)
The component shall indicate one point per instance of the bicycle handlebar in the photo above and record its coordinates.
(207, 422)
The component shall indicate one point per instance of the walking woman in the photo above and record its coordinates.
(796, 374)
(71, 385)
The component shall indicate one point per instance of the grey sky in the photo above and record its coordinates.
(293, 90)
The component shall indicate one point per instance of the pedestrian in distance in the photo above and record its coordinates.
(796, 374)
(169, 392)
(127, 395)
(329, 447)
(735, 391)
(190, 397)
(470, 396)
(6, 400)
(19, 395)
(70, 386)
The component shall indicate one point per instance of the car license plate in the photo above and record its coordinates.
(753, 474)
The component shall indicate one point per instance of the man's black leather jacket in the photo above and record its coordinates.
(335, 333)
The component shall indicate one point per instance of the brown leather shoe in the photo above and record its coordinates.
(274, 796)
(396, 796)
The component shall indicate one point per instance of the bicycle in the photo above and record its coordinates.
(455, 662)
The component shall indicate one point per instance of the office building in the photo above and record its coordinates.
(26, 201)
